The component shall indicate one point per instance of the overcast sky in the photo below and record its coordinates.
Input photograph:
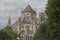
(13, 9)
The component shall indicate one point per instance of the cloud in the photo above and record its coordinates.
(26, 0)
(13, 8)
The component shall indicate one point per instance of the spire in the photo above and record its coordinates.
(28, 9)
(9, 22)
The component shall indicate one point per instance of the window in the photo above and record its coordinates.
(26, 18)
(42, 17)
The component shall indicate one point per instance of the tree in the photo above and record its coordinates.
(53, 13)
(52, 28)
(9, 30)
(41, 32)
(5, 36)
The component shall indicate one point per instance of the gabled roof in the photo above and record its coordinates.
(28, 9)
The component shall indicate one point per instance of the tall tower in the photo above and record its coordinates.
(42, 17)
(28, 23)
(9, 22)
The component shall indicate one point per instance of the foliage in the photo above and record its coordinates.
(53, 13)
(9, 30)
(5, 36)
(41, 32)
(51, 29)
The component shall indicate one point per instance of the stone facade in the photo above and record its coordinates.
(27, 23)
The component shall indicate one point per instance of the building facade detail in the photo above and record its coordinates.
(27, 23)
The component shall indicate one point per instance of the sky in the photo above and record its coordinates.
(13, 8)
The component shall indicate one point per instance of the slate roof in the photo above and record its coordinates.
(28, 9)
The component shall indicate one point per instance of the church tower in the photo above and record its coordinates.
(28, 23)
(42, 17)
(9, 22)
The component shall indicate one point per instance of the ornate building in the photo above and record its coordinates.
(27, 23)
